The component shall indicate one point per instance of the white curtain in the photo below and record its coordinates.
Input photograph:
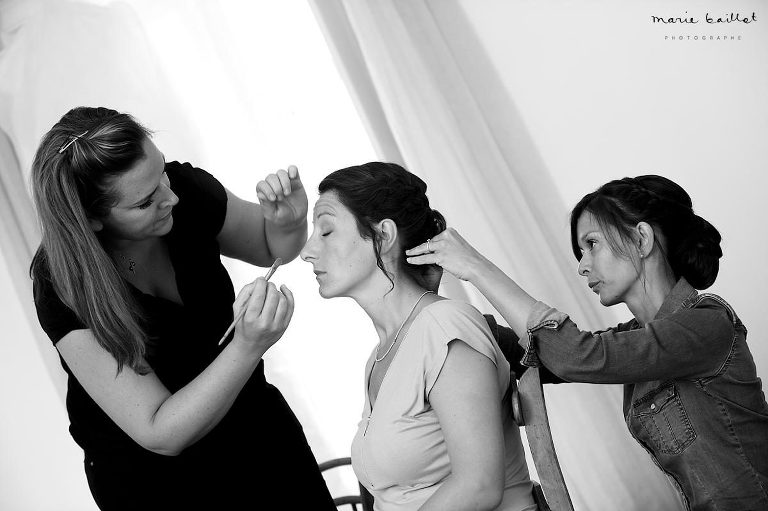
(20, 235)
(430, 100)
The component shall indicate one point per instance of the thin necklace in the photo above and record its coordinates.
(130, 262)
(377, 359)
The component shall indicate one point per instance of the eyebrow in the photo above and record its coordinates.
(145, 199)
(587, 234)
(329, 213)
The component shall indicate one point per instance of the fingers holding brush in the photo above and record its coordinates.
(243, 298)
(267, 314)
(250, 296)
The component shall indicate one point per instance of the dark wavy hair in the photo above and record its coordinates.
(693, 244)
(375, 191)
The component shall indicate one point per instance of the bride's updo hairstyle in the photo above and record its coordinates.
(375, 191)
(692, 243)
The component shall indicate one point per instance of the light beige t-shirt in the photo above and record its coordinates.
(399, 452)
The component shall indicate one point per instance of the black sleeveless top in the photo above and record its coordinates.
(257, 454)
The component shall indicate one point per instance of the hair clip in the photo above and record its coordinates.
(72, 141)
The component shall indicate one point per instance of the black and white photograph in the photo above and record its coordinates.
(545, 219)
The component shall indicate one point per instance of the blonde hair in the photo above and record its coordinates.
(72, 171)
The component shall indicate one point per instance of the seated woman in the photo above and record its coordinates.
(435, 432)
(692, 396)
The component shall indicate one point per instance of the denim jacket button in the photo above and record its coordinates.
(653, 406)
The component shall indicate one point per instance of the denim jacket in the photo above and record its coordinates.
(692, 397)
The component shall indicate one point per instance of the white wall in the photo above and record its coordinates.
(604, 96)
(40, 465)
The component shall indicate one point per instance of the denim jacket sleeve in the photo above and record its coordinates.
(508, 343)
(687, 344)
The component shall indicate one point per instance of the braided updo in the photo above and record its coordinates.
(375, 191)
(693, 244)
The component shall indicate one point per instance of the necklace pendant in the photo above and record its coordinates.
(129, 261)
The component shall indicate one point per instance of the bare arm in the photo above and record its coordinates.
(143, 407)
(467, 400)
(276, 227)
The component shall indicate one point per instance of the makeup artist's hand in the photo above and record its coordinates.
(282, 197)
(450, 251)
(268, 313)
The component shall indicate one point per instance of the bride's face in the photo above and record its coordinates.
(343, 261)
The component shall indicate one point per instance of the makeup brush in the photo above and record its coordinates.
(240, 314)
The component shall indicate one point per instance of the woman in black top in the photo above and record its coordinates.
(130, 288)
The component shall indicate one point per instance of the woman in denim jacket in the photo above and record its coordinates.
(692, 396)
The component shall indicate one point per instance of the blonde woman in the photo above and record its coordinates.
(130, 288)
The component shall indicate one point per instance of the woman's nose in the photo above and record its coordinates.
(306, 253)
(171, 199)
(583, 267)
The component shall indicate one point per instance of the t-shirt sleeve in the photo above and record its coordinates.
(451, 320)
(54, 316)
(202, 205)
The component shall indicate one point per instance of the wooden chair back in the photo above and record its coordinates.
(530, 411)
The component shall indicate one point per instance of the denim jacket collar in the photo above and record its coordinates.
(681, 295)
